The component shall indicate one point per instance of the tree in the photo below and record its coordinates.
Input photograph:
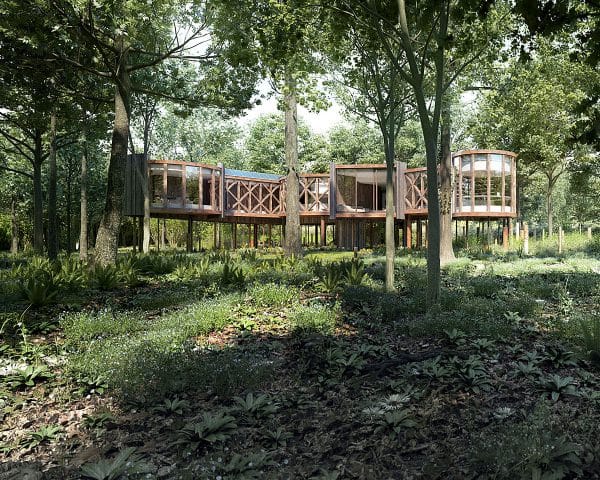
(115, 42)
(280, 39)
(377, 92)
(358, 142)
(531, 112)
(420, 36)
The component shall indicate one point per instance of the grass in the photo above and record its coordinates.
(360, 382)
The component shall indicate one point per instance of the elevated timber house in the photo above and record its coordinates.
(348, 202)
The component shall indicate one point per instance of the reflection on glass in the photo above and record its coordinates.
(192, 188)
(480, 189)
(156, 185)
(174, 186)
(496, 164)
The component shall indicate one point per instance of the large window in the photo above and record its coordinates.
(174, 186)
(360, 189)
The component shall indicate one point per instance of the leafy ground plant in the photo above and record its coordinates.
(211, 429)
(126, 464)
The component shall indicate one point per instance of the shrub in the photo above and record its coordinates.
(590, 329)
(273, 295)
(316, 318)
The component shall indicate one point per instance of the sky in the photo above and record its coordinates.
(319, 123)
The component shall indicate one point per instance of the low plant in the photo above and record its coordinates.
(314, 318)
(28, 376)
(211, 429)
(98, 420)
(330, 280)
(396, 422)
(106, 277)
(175, 406)
(247, 466)
(39, 291)
(590, 330)
(231, 275)
(278, 437)
(273, 295)
(72, 274)
(556, 386)
(256, 407)
(354, 273)
(125, 464)
(560, 357)
(45, 434)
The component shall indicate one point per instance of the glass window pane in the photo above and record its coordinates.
(192, 190)
(156, 185)
(174, 186)
(496, 164)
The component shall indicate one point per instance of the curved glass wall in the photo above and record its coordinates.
(486, 182)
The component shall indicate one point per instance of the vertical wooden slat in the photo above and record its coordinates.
(513, 182)
(473, 183)
(503, 184)
(332, 192)
(460, 183)
(200, 189)
(165, 185)
(184, 187)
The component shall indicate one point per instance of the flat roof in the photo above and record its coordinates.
(232, 172)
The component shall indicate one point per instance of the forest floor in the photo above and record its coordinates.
(252, 366)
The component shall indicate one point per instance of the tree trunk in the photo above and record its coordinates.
(83, 217)
(549, 209)
(293, 243)
(38, 208)
(146, 191)
(69, 212)
(52, 217)
(107, 240)
(390, 245)
(446, 251)
(14, 231)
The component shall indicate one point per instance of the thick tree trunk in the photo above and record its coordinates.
(433, 224)
(38, 208)
(446, 251)
(52, 216)
(293, 242)
(14, 230)
(107, 240)
(83, 217)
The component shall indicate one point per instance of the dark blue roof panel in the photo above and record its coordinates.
(231, 172)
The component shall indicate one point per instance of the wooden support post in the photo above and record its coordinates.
(134, 242)
(270, 235)
(189, 240)
(525, 238)
(163, 234)
(489, 234)
(255, 236)
(371, 234)
(419, 234)
(200, 238)
(316, 236)
(214, 236)
(505, 237)
(141, 234)
(408, 233)
(234, 235)
(323, 232)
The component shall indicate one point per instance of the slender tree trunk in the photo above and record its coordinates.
(293, 243)
(107, 240)
(14, 244)
(549, 208)
(69, 214)
(38, 208)
(52, 216)
(146, 191)
(83, 216)
(390, 245)
(446, 251)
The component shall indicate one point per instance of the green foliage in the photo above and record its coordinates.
(125, 464)
(98, 421)
(72, 274)
(256, 408)
(590, 329)
(28, 376)
(211, 429)
(355, 274)
(314, 318)
(556, 386)
(45, 434)
(175, 406)
(247, 466)
(272, 295)
(330, 280)
(39, 291)
(106, 277)
(231, 275)
(528, 450)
